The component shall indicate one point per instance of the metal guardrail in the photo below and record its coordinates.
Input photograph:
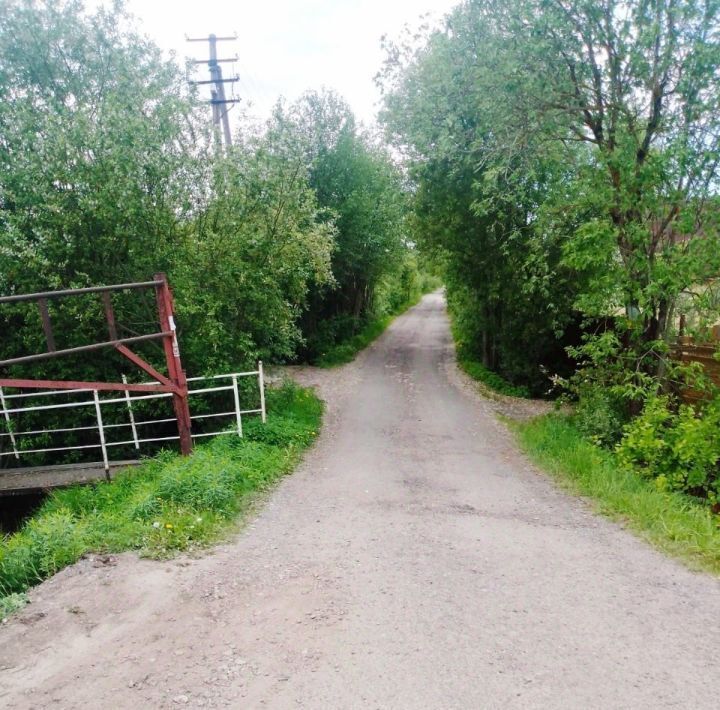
(97, 403)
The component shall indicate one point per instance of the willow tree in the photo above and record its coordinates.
(621, 98)
(630, 92)
(475, 206)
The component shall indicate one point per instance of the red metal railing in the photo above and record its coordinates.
(174, 383)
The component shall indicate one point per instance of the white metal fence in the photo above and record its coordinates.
(126, 399)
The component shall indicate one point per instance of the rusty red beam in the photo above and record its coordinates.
(86, 348)
(137, 360)
(77, 291)
(46, 323)
(109, 314)
(164, 299)
(73, 385)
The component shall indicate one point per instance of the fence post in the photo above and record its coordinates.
(238, 415)
(261, 381)
(132, 416)
(9, 424)
(102, 434)
(175, 371)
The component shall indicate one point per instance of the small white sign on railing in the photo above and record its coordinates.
(98, 403)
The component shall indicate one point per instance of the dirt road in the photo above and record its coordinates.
(414, 561)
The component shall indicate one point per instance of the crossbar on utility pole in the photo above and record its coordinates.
(219, 102)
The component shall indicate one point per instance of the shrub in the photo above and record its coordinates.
(600, 415)
(679, 449)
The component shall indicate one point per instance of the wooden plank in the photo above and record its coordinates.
(16, 481)
(704, 354)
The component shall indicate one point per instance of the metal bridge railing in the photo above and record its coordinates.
(97, 403)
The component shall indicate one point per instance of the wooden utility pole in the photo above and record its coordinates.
(219, 102)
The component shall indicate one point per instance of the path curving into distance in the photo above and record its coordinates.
(415, 560)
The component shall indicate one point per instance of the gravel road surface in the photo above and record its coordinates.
(415, 560)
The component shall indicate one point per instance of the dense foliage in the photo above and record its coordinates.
(566, 155)
(108, 175)
(109, 172)
(679, 448)
(357, 184)
(510, 296)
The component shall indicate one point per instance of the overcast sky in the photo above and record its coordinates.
(288, 46)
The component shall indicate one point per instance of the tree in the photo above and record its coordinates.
(251, 256)
(475, 211)
(356, 183)
(628, 92)
(97, 139)
(599, 119)
(100, 162)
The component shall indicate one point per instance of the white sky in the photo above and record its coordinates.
(288, 46)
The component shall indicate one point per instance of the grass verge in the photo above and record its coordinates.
(492, 380)
(670, 521)
(167, 504)
(346, 351)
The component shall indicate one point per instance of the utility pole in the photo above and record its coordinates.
(220, 104)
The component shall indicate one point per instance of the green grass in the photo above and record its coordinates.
(670, 521)
(167, 504)
(346, 351)
(11, 603)
(492, 380)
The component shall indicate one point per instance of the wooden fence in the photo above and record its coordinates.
(688, 351)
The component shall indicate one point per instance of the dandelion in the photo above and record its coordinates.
(168, 526)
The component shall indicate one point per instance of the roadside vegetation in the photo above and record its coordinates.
(279, 248)
(466, 358)
(566, 183)
(346, 350)
(669, 519)
(567, 187)
(491, 379)
(165, 505)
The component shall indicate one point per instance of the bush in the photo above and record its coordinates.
(680, 449)
(600, 415)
